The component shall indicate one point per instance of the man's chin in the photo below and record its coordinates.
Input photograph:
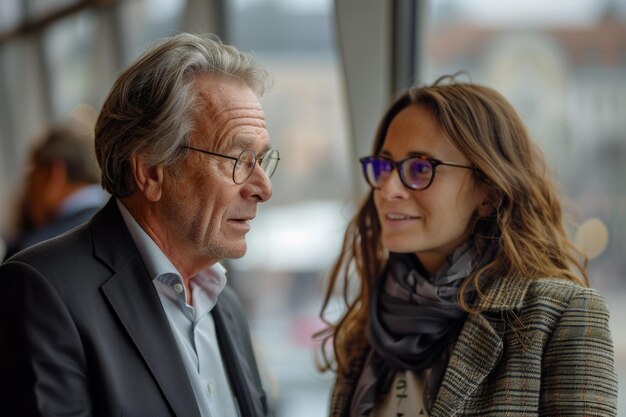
(234, 250)
(237, 252)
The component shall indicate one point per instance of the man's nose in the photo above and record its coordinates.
(259, 185)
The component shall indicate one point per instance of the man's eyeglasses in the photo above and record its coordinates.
(246, 161)
(416, 172)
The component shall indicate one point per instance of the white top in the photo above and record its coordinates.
(192, 325)
(405, 397)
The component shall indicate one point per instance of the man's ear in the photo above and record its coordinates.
(148, 178)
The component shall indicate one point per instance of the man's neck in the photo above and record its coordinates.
(184, 259)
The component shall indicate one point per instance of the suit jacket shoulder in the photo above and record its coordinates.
(524, 354)
(539, 347)
(82, 331)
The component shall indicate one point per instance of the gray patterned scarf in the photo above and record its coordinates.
(413, 323)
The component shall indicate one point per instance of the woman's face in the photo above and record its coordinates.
(432, 222)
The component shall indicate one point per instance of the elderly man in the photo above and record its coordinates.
(130, 315)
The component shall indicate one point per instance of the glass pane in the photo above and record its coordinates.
(68, 48)
(563, 66)
(41, 8)
(10, 15)
(298, 233)
(144, 21)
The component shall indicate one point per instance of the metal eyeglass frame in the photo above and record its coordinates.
(237, 160)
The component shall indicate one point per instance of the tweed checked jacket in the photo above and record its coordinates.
(539, 348)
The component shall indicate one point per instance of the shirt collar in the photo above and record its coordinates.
(212, 279)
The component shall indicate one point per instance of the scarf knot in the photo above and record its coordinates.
(414, 320)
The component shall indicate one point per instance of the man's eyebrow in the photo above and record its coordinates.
(243, 143)
(247, 144)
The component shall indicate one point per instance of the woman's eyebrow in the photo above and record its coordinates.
(421, 153)
(408, 154)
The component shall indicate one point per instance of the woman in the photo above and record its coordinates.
(472, 301)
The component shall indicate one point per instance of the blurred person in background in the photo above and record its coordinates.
(473, 301)
(62, 189)
(130, 314)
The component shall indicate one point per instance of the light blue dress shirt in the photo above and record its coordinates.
(192, 325)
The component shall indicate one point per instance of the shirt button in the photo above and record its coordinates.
(178, 288)
(210, 388)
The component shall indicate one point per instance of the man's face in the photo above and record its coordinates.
(208, 214)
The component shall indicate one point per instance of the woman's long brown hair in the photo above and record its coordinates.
(526, 222)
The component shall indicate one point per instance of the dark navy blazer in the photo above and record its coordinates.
(83, 333)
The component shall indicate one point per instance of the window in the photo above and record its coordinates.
(298, 233)
(562, 65)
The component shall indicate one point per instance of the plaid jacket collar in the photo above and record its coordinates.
(479, 347)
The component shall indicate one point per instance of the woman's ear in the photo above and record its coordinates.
(485, 208)
(490, 204)
(148, 178)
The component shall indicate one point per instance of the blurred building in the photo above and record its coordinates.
(561, 63)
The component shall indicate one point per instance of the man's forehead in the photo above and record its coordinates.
(222, 92)
(230, 111)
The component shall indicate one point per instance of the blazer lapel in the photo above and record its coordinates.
(479, 346)
(475, 354)
(138, 308)
(136, 303)
(237, 363)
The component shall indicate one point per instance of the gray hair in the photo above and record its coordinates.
(151, 106)
(72, 145)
